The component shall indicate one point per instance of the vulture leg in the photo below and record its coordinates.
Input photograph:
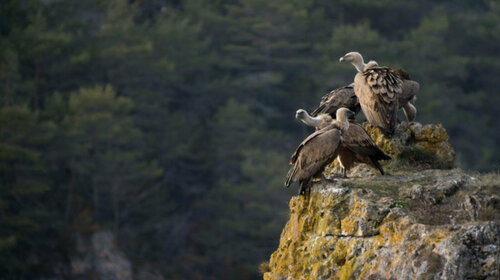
(410, 111)
(305, 187)
(343, 171)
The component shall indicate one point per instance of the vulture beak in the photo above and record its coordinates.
(350, 114)
(299, 114)
(341, 59)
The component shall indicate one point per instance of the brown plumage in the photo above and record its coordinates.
(410, 89)
(336, 99)
(345, 97)
(317, 150)
(357, 145)
(377, 89)
(403, 74)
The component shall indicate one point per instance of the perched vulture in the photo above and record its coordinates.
(357, 145)
(345, 97)
(317, 150)
(377, 89)
(336, 99)
(410, 89)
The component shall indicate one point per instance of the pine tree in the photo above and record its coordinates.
(27, 221)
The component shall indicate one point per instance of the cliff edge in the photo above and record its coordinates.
(417, 222)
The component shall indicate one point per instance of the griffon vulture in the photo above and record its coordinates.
(317, 150)
(357, 145)
(410, 89)
(345, 97)
(338, 98)
(377, 89)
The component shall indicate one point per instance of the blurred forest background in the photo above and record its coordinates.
(170, 122)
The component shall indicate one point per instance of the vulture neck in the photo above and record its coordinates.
(310, 121)
(342, 122)
(360, 66)
(359, 63)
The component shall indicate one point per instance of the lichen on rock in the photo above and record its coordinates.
(413, 224)
(412, 142)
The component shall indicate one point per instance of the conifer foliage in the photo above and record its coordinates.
(170, 122)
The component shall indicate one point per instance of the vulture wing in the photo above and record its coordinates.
(356, 139)
(314, 153)
(410, 89)
(403, 74)
(377, 89)
(336, 99)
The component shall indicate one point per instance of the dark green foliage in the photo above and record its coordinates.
(171, 122)
(26, 222)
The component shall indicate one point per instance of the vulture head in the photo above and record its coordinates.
(317, 122)
(300, 114)
(357, 60)
(343, 115)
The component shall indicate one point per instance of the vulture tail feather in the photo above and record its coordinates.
(377, 164)
(289, 176)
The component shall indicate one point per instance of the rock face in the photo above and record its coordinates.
(425, 144)
(430, 139)
(431, 224)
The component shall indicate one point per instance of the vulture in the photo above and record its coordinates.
(357, 145)
(410, 89)
(345, 97)
(316, 151)
(338, 98)
(377, 89)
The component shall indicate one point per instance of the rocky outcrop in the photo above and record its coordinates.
(430, 139)
(424, 145)
(432, 224)
(420, 221)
